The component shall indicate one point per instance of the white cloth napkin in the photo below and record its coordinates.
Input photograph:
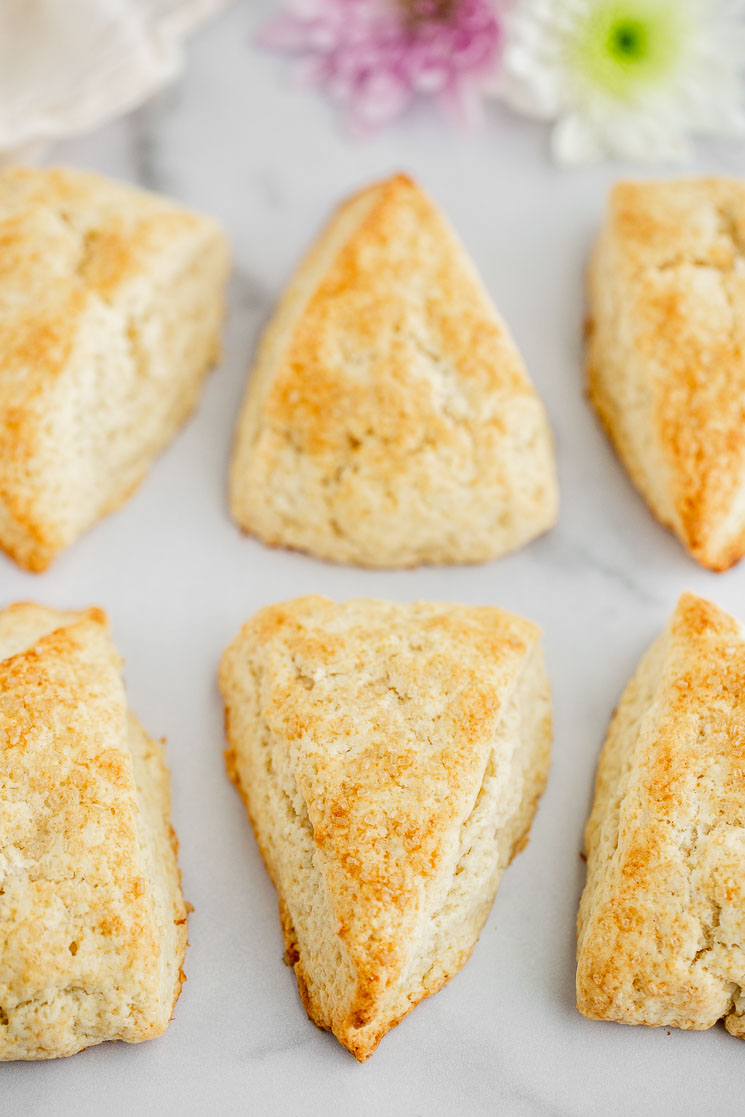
(67, 65)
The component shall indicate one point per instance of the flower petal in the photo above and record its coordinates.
(637, 101)
(574, 141)
(464, 104)
(369, 56)
(535, 93)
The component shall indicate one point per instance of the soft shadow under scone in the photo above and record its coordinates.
(666, 354)
(111, 303)
(389, 419)
(390, 758)
(92, 919)
(662, 919)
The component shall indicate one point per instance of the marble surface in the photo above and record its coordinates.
(504, 1037)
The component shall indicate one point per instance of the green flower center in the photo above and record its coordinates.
(428, 11)
(626, 46)
(628, 40)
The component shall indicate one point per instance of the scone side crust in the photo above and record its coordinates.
(613, 366)
(395, 376)
(71, 848)
(158, 851)
(357, 876)
(508, 818)
(675, 257)
(662, 920)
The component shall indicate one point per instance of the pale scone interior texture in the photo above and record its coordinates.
(92, 919)
(112, 301)
(390, 759)
(666, 353)
(389, 419)
(661, 928)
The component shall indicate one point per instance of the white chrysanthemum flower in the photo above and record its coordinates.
(627, 78)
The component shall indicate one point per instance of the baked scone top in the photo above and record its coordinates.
(394, 290)
(92, 921)
(670, 276)
(370, 674)
(389, 419)
(112, 230)
(67, 237)
(662, 919)
(377, 720)
(92, 275)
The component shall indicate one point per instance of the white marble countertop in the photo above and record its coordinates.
(504, 1037)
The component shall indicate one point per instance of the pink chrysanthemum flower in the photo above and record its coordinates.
(375, 56)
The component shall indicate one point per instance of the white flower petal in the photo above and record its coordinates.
(702, 92)
(574, 141)
(648, 139)
(727, 120)
(531, 98)
(533, 90)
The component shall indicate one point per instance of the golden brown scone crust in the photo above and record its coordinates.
(662, 919)
(390, 758)
(389, 419)
(666, 354)
(111, 302)
(92, 919)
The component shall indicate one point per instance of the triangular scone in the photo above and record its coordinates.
(389, 420)
(662, 919)
(92, 920)
(111, 302)
(390, 758)
(666, 356)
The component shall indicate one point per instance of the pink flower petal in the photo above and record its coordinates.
(368, 56)
(463, 103)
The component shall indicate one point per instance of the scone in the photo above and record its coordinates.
(92, 920)
(666, 357)
(390, 758)
(662, 919)
(111, 303)
(389, 420)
